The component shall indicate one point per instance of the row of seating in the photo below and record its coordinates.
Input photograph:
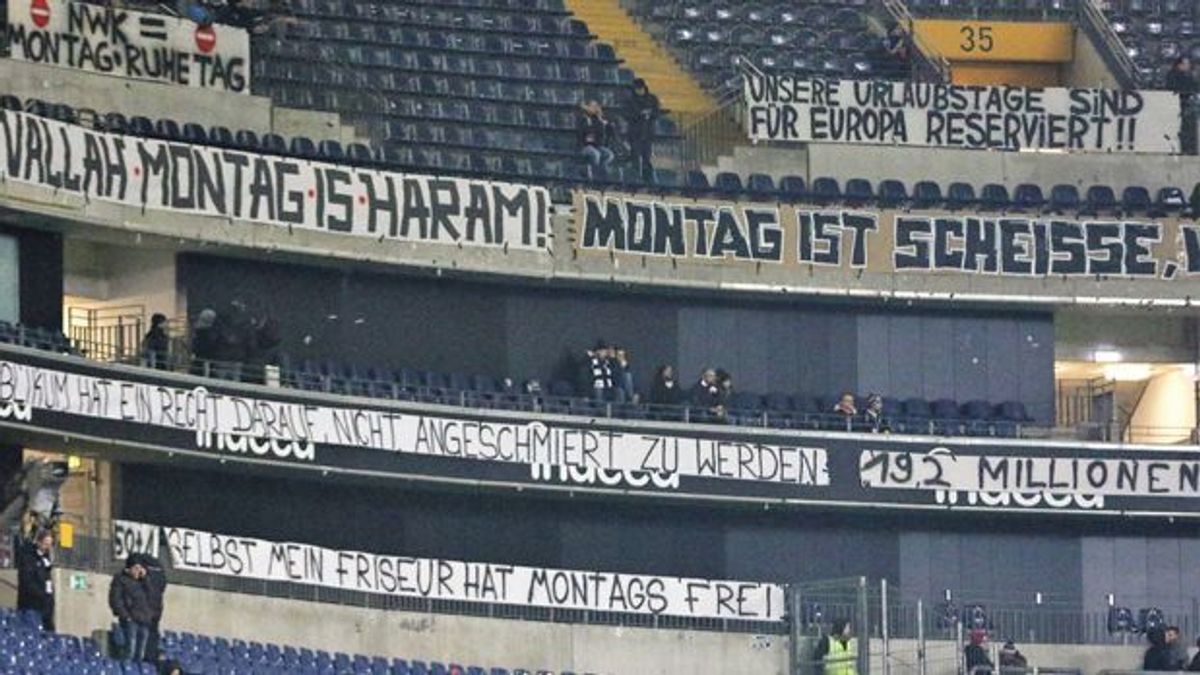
(202, 655)
(26, 649)
(525, 21)
(1018, 10)
(1026, 197)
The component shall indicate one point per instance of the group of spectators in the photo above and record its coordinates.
(233, 336)
(607, 375)
(601, 142)
(135, 597)
(978, 660)
(1168, 652)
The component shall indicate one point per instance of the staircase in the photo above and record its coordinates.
(674, 87)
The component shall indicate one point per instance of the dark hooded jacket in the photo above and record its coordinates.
(641, 111)
(1158, 656)
(130, 599)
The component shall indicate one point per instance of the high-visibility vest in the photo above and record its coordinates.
(841, 659)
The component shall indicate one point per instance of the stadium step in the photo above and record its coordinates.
(676, 90)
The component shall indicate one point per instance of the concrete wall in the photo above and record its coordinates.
(1140, 336)
(445, 638)
(97, 275)
(1088, 69)
(104, 94)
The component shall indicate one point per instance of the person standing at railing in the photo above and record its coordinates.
(156, 344)
(1158, 657)
(1182, 81)
(206, 341)
(838, 651)
(129, 598)
(641, 113)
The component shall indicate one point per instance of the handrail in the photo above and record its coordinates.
(934, 61)
(1098, 27)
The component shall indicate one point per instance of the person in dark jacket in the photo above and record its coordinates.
(872, 418)
(976, 652)
(1182, 81)
(641, 113)
(1194, 666)
(1011, 657)
(129, 598)
(596, 136)
(206, 342)
(1179, 650)
(156, 344)
(664, 389)
(156, 585)
(1158, 656)
(707, 395)
(35, 577)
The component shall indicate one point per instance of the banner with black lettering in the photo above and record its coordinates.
(459, 581)
(135, 45)
(140, 414)
(272, 190)
(886, 242)
(803, 109)
(129, 537)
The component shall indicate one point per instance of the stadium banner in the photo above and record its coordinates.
(129, 537)
(272, 190)
(1014, 246)
(435, 579)
(802, 109)
(55, 400)
(133, 45)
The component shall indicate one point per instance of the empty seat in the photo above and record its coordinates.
(1100, 199)
(761, 186)
(892, 194)
(1136, 199)
(1064, 198)
(1028, 197)
(792, 189)
(825, 191)
(928, 194)
(962, 195)
(303, 147)
(728, 185)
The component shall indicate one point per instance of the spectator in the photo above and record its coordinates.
(641, 113)
(157, 344)
(1194, 666)
(838, 651)
(156, 586)
(707, 393)
(235, 14)
(873, 419)
(976, 652)
(845, 406)
(1010, 657)
(596, 135)
(897, 51)
(664, 390)
(206, 342)
(171, 668)
(599, 373)
(623, 376)
(1182, 81)
(1179, 650)
(130, 601)
(35, 577)
(1158, 656)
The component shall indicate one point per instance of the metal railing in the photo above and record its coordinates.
(715, 133)
(1108, 43)
(930, 64)
(115, 332)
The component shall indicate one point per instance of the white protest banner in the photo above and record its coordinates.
(803, 109)
(135, 45)
(129, 537)
(435, 579)
(293, 432)
(273, 190)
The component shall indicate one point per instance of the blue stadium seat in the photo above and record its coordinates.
(1100, 199)
(115, 122)
(857, 192)
(728, 185)
(962, 196)
(331, 151)
(994, 197)
(761, 187)
(792, 189)
(1028, 197)
(1064, 199)
(928, 194)
(168, 129)
(194, 133)
(892, 194)
(221, 137)
(247, 140)
(696, 184)
(274, 144)
(1136, 199)
(825, 191)
(1170, 200)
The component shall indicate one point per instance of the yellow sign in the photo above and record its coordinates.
(66, 535)
(1040, 42)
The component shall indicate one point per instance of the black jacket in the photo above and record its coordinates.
(35, 585)
(706, 395)
(977, 656)
(130, 599)
(1158, 657)
(1195, 665)
(594, 131)
(156, 582)
(640, 113)
(156, 340)
(1180, 82)
(661, 394)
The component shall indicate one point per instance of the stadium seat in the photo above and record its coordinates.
(1136, 199)
(1100, 199)
(962, 196)
(994, 197)
(892, 194)
(825, 191)
(1064, 199)
(1028, 197)
(696, 184)
(792, 189)
(928, 194)
(728, 185)
(858, 192)
(761, 187)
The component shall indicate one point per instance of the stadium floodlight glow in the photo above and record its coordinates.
(1107, 356)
